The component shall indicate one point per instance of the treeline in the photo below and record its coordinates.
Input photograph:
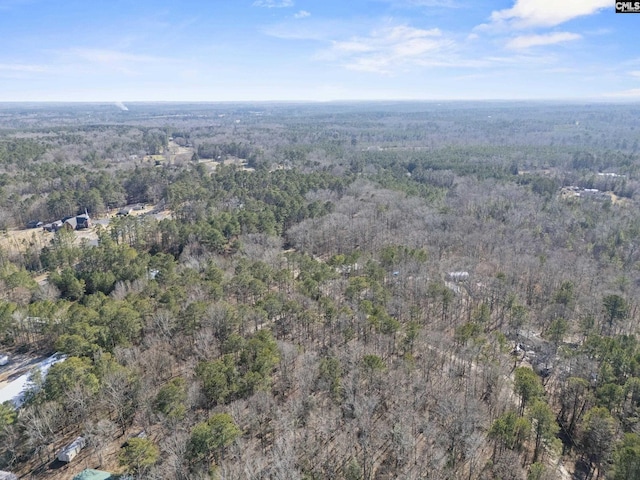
(71, 190)
(218, 151)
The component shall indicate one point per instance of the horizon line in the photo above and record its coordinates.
(607, 99)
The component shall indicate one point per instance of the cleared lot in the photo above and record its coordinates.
(15, 376)
(19, 240)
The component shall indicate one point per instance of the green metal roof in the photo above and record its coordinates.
(90, 474)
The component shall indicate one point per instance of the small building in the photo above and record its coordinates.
(123, 212)
(4, 359)
(70, 223)
(458, 276)
(610, 174)
(69, 452)
(90, 474)
(79, 222)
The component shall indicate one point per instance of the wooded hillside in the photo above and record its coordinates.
(357, 291)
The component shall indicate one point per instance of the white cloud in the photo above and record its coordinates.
(90, 59)
(391, 48)
(527, 41)
(547, 13)
(424, 3)
(317, 29)
(518, 61)
(273, 3)
(302, 14)
(21, 70)
(632, 93)
(635, 73)
(433, 3)
(21, 67)
(111, 57)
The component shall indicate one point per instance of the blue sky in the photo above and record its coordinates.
(245, 50)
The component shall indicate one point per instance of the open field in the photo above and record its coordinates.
(19, 240)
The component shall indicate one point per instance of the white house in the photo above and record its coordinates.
(458, 276)
(69, 452)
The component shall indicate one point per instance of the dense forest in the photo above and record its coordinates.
(334, 291)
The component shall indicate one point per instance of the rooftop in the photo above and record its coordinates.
(90, 474)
